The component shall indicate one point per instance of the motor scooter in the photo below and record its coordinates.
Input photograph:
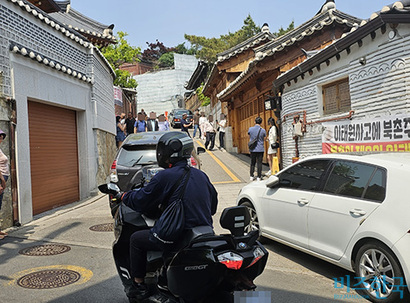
(205, 267)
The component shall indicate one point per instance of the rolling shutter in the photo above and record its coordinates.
(53, 156)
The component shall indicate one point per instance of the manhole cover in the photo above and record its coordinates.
(103, 227)
(51, 278)
(45, 250)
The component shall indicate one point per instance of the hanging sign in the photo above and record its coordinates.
(384, 134)
(117, 95)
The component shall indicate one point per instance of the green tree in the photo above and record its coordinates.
(208, 48)
(118, 54)
(204, 99)
(166, 60)
(283, 31)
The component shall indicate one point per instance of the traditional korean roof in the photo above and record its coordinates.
(30, 8)
(328, 16)
(256, 40)
(398, 12)
(49, 6)
(198, 76)
(98, 33)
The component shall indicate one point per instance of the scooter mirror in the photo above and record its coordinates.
(200, 150)
(109, 188)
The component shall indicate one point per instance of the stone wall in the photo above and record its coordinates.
(106, 152)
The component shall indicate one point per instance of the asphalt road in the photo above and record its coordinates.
(290, 276)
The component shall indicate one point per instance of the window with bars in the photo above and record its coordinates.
(336, 97)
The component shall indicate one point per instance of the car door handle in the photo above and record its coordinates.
(303, 201)
(357, 212)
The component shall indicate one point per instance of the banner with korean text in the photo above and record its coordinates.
(384, 134)
(117, 95)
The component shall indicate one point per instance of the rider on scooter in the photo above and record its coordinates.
(200, 201)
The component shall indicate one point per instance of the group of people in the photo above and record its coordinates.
(142, 123)
(208, 128)
(259, 133)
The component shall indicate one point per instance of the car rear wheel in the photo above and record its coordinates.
(380, 277)
(254, 224)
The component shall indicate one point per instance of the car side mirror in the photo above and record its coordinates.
(200, 150)
(272, 181)
(109, 188)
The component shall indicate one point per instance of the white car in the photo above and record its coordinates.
(353, 211)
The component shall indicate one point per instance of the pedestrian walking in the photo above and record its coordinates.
(140, 125)
(221, 126)
(210, 131)
(273, 146)
(196, 124)
(202, 120)
(185, 124)
(4, 175)
(120, 137)
(129, 123)
(163, 124)
(152, 123)
(256, 136)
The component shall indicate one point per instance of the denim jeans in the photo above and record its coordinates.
(196, 127)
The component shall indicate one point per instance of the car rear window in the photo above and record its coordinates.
(130, 156)
(180, 112)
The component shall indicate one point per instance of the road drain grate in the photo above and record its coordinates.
(45, 250)
(50, 278)
(103, 227)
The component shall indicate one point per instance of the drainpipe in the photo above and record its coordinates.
(13, 170)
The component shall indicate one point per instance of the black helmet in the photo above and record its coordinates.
(173, 147)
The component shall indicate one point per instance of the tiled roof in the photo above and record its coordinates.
(325, 18)
(264, 35)
(83, 24)
(64, 30)
(376, 20)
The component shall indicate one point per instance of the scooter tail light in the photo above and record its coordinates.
(193, 162)
(231, 260)
(258, 254)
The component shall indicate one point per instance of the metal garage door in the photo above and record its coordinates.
(53, 156)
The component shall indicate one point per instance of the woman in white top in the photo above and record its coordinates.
(4, 175)
(202, 121)
(221, 125)
(272, 138)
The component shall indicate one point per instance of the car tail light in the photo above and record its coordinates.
(114, 166)
(231, 260)
(258, 254)
(193, 162)
(176, 120)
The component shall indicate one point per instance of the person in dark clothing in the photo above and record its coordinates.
(200, 200)
(129, 123)
(185, 124)
(257, 132)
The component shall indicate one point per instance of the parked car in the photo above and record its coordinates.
(136, 160)
(175, 117)
(349, 210)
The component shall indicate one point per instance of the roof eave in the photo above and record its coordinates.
(341, 45)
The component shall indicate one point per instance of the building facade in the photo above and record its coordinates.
(352, 96)
(57, 107)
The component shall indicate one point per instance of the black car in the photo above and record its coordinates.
(136, 160)
(175, 117)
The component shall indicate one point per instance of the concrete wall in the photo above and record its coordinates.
(378, 88)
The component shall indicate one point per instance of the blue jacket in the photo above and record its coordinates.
(200, 199)
(253, 133)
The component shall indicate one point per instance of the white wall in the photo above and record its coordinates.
(378, 88)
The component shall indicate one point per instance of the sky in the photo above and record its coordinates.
(168, 21)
